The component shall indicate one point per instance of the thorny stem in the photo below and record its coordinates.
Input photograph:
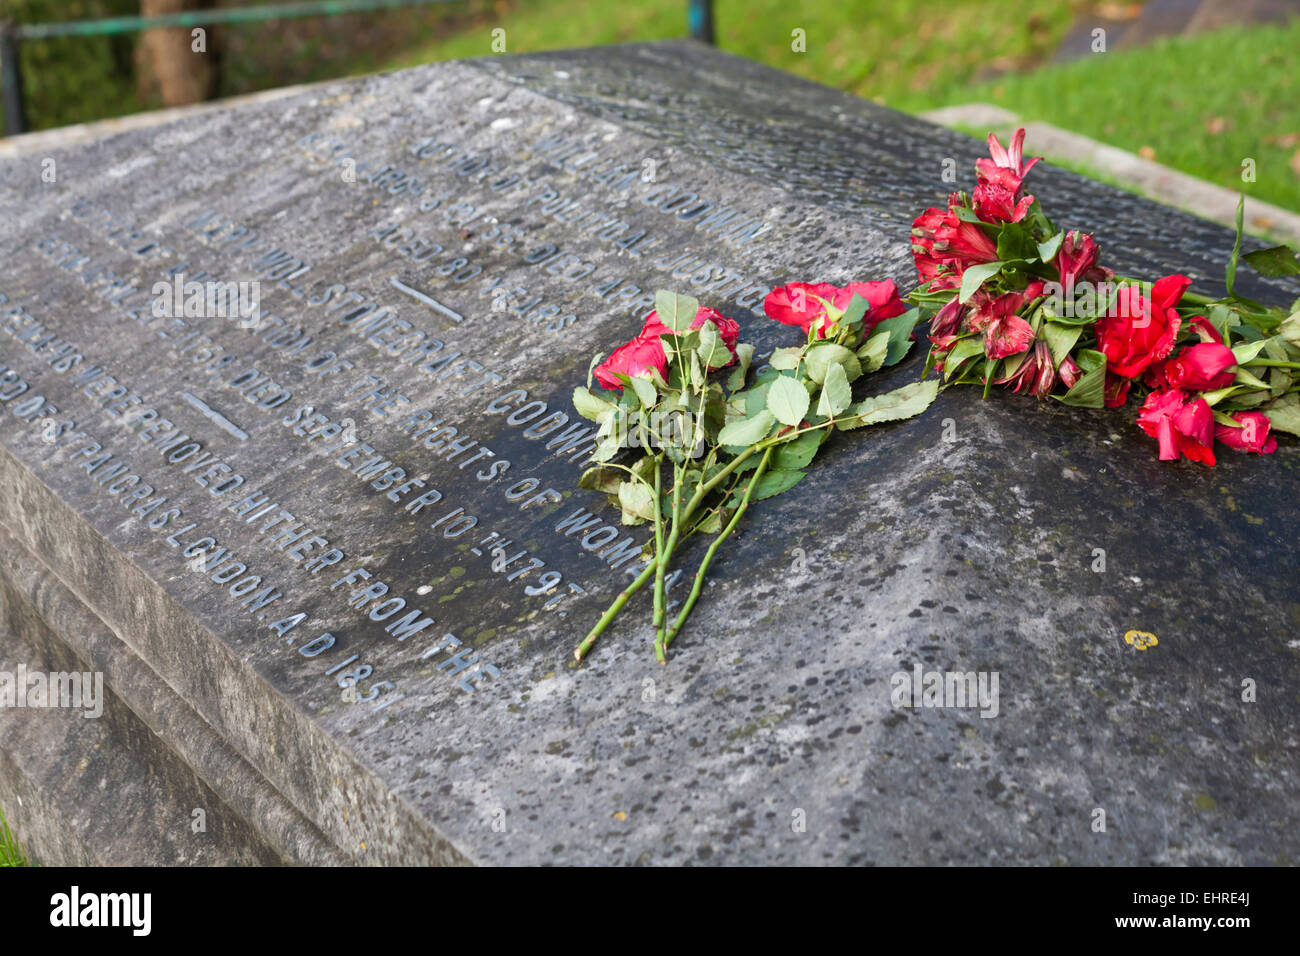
(698, 584)
(646, 573)
(662, 559)
(659, 543)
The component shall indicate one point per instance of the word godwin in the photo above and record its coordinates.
(945, 689)
(103, 909)
(56, 689)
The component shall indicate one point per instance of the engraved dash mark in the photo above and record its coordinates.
(214, 416)
(428, 300)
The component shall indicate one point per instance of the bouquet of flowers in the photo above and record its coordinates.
(691, 435)
(1020, 303)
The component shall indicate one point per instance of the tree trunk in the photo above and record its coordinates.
(177, 64)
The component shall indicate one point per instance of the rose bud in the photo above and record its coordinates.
(1252, 435)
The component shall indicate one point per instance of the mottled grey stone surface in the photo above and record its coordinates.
(973, 554)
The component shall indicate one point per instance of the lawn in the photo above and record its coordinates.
(1201, 104)
(11, 853)
(899, 52)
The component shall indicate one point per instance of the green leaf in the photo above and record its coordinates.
(1230, 274)
(1090, 359)
(772, 483)
(645, 391)
(822, 356)
(748, 431)
(1060, 339)
(900, 334)
(1248, 350)
(607, 449)
(711, 350)
(588, 405)
(754, 400)
(676, 311)
(798, 451)
(911, 399)
(1015, 242)
(601, 478)
(712, 523)
(1284, 414)
(785, 359)
(1219, 394)
(1089, 391)
(591, 369)
(872, 353)
(961, 350)
(989, 366)
(744, 357)
(974, 277)
(637, 502)
(1247, 378)
(1048, 249)
(836, 394)
(787, 400)
(1275, 261)
(856, 310)
(1223, 418)
(1289, 329)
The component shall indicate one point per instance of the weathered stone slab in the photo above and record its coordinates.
(383, 219)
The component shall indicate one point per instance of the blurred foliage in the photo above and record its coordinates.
(1203, 104)
(1198, 103)
(78, 79)
(75, 79)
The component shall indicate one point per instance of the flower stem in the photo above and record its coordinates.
(698, 584)
(665, 555)
(659, 543)
(646, 573)
(1271, 363)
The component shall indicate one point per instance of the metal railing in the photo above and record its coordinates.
(699, 15)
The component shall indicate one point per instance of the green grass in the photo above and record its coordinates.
(1201, 104)
(11, 854)
(894, 51)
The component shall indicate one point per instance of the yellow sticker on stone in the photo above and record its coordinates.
(1141, 639)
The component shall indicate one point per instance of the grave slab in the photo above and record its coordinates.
(334, 559)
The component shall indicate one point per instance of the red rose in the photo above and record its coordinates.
(804, 303)
(728, 329)
(1200, 368)
(1181, 427)
(1252, 435)
(882, 297)
(1116, 391)
(637, 357)
(1137, 332)
(1205, 329)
